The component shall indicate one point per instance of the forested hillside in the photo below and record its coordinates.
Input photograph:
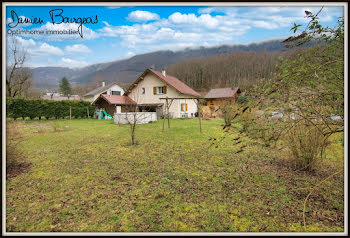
(241, 69)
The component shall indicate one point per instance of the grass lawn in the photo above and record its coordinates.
(85, 176)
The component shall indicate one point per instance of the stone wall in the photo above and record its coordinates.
(141, 117)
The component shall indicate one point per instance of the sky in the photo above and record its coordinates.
(112, 33)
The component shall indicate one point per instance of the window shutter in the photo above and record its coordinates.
(154, 90)
(186, 107)
(164, 89)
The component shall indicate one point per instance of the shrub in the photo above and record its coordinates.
(228, 113)
(13, 138)
(306, 144)
(57, 126)
(242, 99)
(38, 108)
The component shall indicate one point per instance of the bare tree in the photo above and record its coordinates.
(132, 118)
(18, 79)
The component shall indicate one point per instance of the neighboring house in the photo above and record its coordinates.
(110, 89)
(218, 96)
(59, 97)
(114, 103)
(153, 85)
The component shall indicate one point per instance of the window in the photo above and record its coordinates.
(184, 107)
(159, 90)
(115, 92)
(143, 90)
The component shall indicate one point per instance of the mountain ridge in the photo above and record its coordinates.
(127, 70)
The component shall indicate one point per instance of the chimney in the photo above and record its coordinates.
(103, 84)
(163, 72)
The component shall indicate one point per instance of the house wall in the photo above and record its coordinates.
(128, 108)
(151, 81)
(115, 88)
(218, 101)
(221, 101)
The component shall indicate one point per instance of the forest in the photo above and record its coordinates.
(242, 69)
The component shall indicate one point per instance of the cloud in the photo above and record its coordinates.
(46, 49)
(23, 43)
(130, 54)
(204, 20)
(34, 48)
(178, 31)
(78, 48)
(265, 24)
(142, 16)
(226, 10)
(106, 23)
(72, 63)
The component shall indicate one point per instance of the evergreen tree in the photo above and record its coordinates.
(65, 87)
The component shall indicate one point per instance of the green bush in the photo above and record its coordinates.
(242, 99)
(39, 108)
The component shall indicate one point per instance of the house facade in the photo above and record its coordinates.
(110, 89)
(152, 88)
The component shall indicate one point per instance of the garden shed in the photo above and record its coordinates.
(218, 96)
(115, 103)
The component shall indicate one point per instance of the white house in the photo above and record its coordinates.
(110, 89)
(59, 97)
(152, 87)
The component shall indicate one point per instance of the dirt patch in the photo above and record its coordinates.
(18, 169)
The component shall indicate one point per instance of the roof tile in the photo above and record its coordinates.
(116, 99)
(176, 83)
(222, 92)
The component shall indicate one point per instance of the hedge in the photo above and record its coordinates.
(39, 108)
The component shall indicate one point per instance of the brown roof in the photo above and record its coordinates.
(222, 92)
(169, 80)
(116, 99)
